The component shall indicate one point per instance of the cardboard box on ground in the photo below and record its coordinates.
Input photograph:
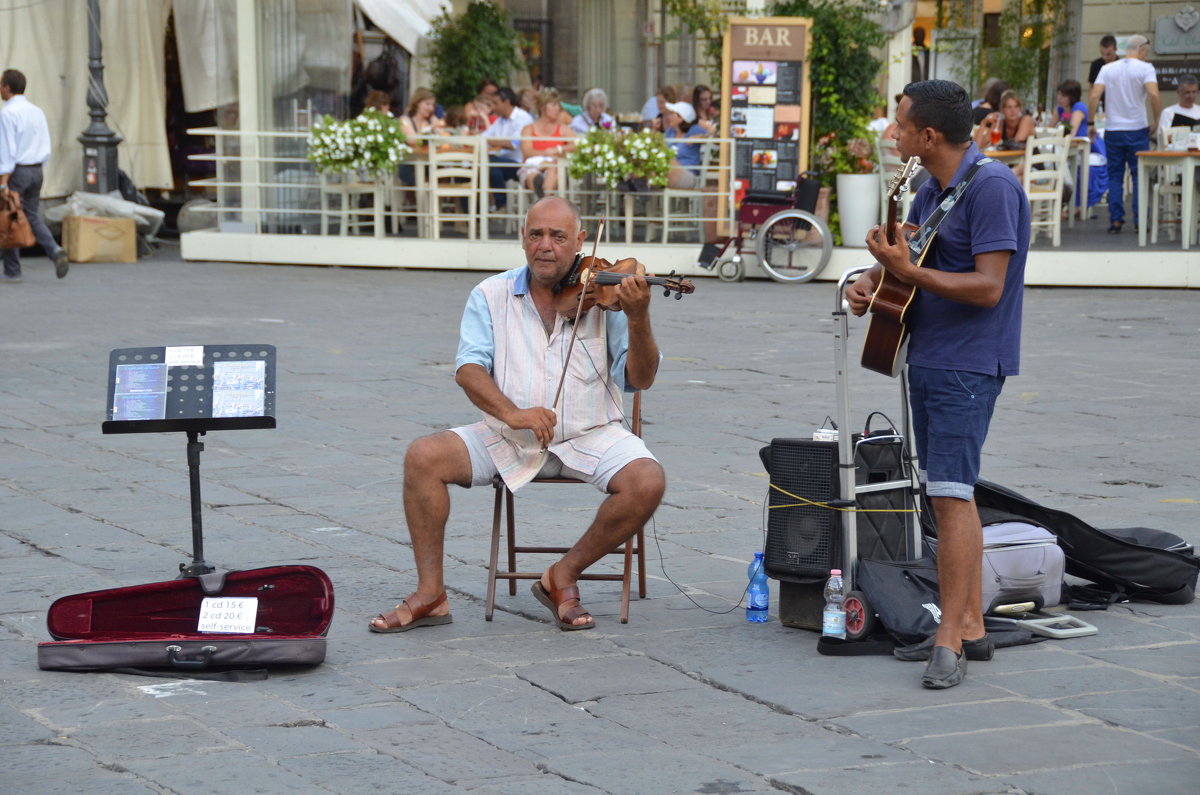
(93, 239)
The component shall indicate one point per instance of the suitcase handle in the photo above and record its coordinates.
(176, 662)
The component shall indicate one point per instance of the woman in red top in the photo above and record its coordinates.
(543, 143)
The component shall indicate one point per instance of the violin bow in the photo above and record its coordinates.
(575, 326)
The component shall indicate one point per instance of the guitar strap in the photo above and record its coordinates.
(920, 239)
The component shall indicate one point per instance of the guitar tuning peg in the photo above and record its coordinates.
(678, 296)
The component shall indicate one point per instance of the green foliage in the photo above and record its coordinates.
(707, 20)
(843, 69)
(465, 49)
(1028, 30)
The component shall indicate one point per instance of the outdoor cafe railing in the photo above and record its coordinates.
(264, 184)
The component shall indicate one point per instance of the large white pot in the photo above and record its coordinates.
(858, 206)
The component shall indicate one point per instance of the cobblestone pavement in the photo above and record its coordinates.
(680, 699)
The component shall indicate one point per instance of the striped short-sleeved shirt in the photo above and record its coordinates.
(502, 332)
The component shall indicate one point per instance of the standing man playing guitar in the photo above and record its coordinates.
(514, 348)
(965, 332)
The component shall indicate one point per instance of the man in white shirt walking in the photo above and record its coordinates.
(1125, 85)
(24, 149)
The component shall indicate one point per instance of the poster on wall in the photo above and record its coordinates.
(766, 81)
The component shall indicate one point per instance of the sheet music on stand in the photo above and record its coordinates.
(194, 389)
(191, 388)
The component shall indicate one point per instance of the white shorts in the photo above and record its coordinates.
(533, 165)
(624, 452)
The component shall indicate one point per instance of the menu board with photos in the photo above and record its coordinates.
(765, 89)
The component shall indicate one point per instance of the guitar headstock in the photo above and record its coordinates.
(896, 190)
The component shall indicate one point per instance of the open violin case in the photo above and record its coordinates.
(155, 625)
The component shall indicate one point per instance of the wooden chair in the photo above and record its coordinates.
(347, 189)
(1044, 175)
(1166, 197)
(454, 165)
(634, 547)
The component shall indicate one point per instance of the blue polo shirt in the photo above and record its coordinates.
(991, 215)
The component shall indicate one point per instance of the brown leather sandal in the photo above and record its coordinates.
(420, 616)
(555, 599)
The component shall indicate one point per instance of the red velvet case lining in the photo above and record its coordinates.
(292, 601)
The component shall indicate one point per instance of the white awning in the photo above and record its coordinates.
(406, 23)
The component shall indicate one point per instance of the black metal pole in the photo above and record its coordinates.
(199, 564)
(99, 141)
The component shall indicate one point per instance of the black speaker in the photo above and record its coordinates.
(800, 527)
(804, 534)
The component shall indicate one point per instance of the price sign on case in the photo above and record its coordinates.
(230, 615)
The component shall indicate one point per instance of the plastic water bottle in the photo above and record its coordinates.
(758, 595)
(833, 621)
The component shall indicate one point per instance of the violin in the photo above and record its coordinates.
(593, 281)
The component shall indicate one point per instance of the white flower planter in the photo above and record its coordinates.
(858, 206)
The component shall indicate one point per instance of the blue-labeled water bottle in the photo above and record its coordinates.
(758, 595)
(833, 620)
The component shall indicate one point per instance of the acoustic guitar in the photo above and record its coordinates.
(884, 344)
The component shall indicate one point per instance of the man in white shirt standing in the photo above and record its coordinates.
(504, 142)
(1185, 112)
(1125, 85)
(24, 148)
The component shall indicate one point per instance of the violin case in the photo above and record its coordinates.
(155, 625)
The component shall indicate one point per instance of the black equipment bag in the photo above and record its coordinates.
(904, 595)
(1134, 562)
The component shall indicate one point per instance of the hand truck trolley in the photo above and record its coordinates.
(838, 498)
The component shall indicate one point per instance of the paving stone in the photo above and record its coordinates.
(904, 725)
(38, 758)
(380, 716)
(911, 777)
(652, 770)
(364, 771)
(152, 738)
(16, 728)
(1042, 748)
(1159, 709)
(452, 755)
(407, 672)
(98, 780)
(280, 742)
(590, 679)
(1175, 659)
(1164, 777)
(218, 771)
(1065, 682)
(544, 784)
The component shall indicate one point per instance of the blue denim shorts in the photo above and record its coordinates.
(951, 411)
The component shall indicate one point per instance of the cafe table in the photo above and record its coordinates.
(1187, 160)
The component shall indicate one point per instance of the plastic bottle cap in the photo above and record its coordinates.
(836, 571)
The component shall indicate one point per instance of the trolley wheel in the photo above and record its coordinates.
(793, 246)
(860, 618)
(731, 270)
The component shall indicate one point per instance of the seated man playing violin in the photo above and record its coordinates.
(516, 347)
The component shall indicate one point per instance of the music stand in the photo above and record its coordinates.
(194, 389)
